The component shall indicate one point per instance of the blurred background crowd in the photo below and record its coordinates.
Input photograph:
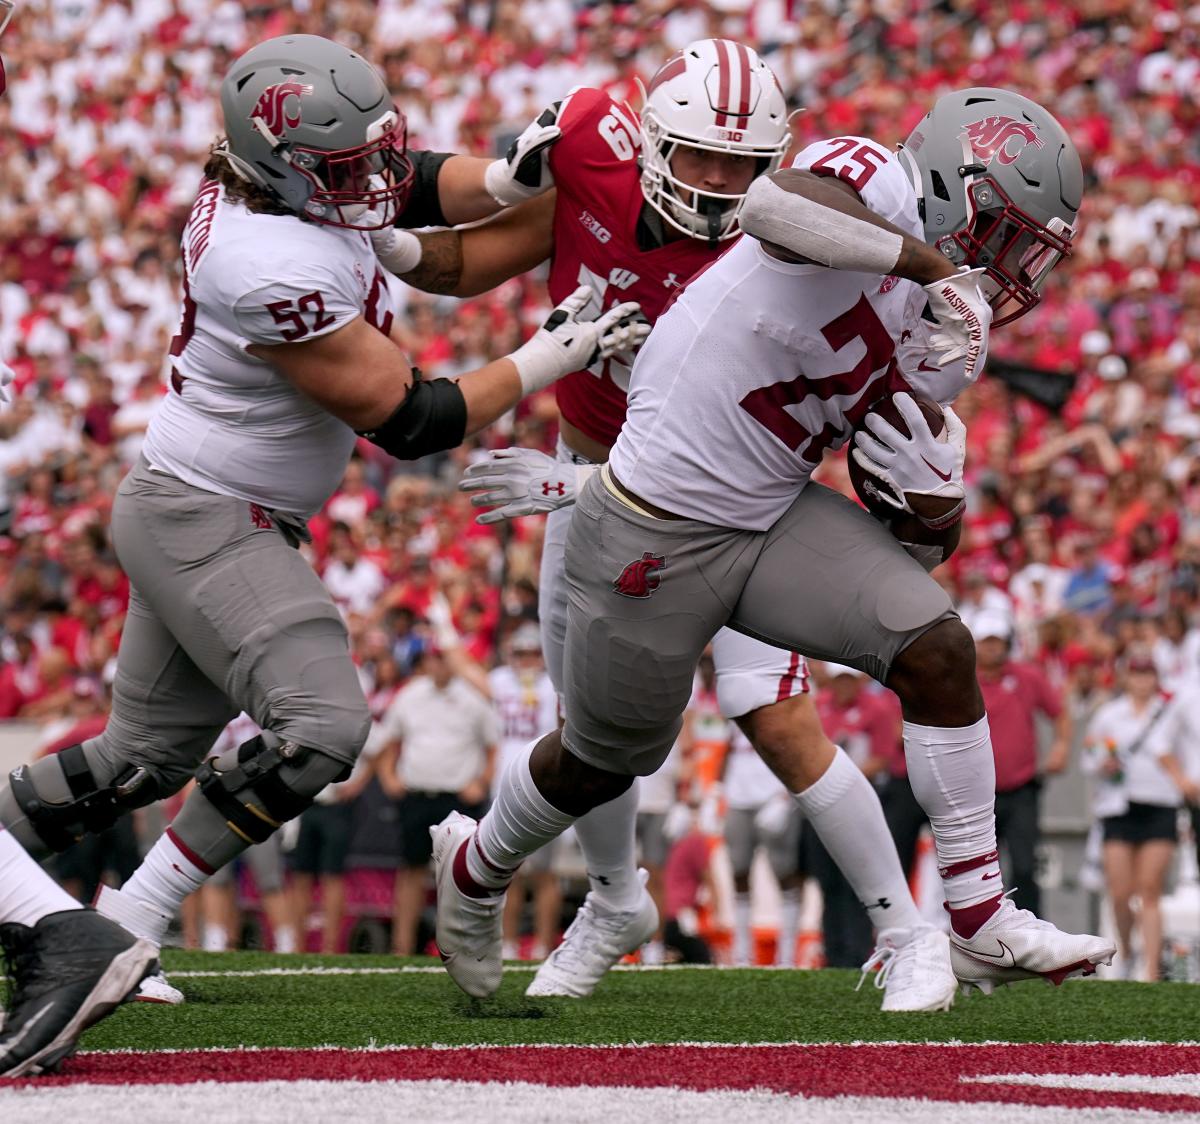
(1080, 560)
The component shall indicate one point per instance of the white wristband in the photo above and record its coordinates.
(499, 184)
(824, 235)
(398, 251)
(539, 363)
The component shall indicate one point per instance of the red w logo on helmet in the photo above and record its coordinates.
(272, 107)
(1000, 138)
(638, 579)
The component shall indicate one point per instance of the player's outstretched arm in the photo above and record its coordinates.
(360, 376)
(470, 261)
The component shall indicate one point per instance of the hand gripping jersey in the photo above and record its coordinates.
(761, 365)
(232, 423)
(595, 243)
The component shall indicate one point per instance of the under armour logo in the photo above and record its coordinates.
(672, 282)
(559, 489)
(598, 878)
(880, 903)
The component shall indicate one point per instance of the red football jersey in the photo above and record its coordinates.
(595, 243)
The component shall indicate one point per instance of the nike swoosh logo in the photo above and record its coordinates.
(938, 472)
(1004, 957)
(924, 366)
(997, 874)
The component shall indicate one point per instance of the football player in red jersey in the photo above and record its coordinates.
(640, 207)
(68, 966)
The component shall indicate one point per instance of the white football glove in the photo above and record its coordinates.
(7, 374)
(922, 464)
(772, 819)
(963, 318)
(568, 341)
(524, 482)
(525, 170)
(398, 251)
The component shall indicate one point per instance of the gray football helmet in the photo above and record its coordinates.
(1000, 184)
(313, 122)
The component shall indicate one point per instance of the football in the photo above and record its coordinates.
(903, 524)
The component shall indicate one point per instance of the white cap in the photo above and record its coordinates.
(1112, 368)
(991, 626)
(1094, 342)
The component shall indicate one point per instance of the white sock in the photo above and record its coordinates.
(167, 876)
(27, 892)
(285, 939)
(215, 938)
(608, 838)
(953, 777)
(845, 812)
(741, 928)
(519, 821)
(789, 925)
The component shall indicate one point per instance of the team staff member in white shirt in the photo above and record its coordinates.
(440, 758)
(1137, 803)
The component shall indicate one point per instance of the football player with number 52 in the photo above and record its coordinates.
(767, 359)
(287, 352)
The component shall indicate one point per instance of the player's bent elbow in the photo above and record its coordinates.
(431, 419)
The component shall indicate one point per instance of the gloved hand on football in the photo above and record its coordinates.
(920, 464)
(963, 318)
(525, 170)
(522, 482)
(572, 339)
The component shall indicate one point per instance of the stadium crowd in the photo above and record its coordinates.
(1082, 536)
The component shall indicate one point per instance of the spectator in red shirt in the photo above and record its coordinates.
(687, 886)
(1014, 694)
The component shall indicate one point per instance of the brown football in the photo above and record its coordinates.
(904, 525)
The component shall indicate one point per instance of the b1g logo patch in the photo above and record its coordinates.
(639, 578)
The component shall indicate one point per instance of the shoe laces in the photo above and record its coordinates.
(888, 960)
(579, 944)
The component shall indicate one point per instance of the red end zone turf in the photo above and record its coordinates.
(1081, 1076)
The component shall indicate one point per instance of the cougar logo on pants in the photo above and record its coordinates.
(639, 579)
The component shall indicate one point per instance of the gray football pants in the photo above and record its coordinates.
(646, 595)
(225, 615)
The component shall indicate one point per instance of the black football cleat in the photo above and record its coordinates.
(70, 970)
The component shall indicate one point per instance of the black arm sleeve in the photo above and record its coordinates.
(424, 206)
(432, 418)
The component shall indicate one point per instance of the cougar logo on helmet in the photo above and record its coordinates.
(639, 579)
(1000, 138)
(273, 109)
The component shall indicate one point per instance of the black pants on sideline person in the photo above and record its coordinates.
(1018, 834)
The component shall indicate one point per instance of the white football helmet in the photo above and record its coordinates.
(716, 95)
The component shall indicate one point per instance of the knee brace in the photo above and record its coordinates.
(260, 786)
(93, 806)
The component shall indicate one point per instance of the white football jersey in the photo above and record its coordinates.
(762, 365)
(749, 782)
(231, 423)
(527, 708)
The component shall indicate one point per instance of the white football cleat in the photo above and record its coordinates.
(468, 929)
(150, 924)
(155, 989)
(1014, 944)
(595, 941)
(912, 968)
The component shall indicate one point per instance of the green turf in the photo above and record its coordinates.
(670, 1006)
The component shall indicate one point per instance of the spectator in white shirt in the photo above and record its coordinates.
(1137, 803)
(355, 583)
(439, 758)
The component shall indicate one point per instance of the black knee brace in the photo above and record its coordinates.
(94, 807)
(266, 786)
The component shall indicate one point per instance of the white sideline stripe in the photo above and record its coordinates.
(1181, 1084)
(454, 1102)
(387, 1047)
(437, 969)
